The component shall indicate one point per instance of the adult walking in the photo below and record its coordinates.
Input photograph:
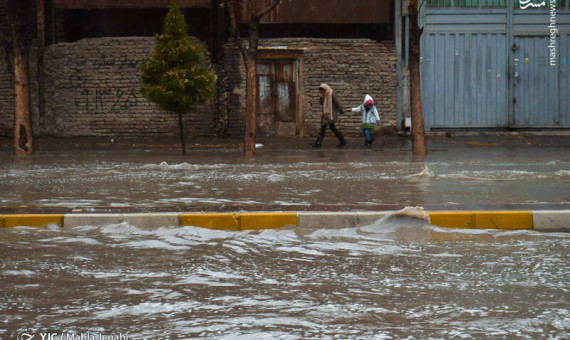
(331, 109)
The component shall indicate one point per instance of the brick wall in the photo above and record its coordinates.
(92, 89)
(352, 67)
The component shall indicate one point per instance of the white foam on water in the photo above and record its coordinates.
(81, 258)
(150, 244)
(18, 273)
(275, 178)
(85, 228)
(192, 279)
(425, 173)
(217, 275)
(408, 224)
(328, 234)
(83, 240)
(235, 248)
(300, 250)
(122, 229)
(294, 203)
(446, 255)
(146, 308)
(562, 173)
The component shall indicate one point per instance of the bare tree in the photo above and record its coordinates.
(20, 17)
(418, 132)
(255, 10)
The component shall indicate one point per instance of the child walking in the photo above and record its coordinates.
(370, 117)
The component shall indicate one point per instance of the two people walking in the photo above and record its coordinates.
(332, 107)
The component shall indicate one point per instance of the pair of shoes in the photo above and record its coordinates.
(368, 144)
(316, 145)
(341, 144)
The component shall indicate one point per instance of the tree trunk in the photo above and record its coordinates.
(250, 114)
(249, 55)
(181, 127)
(23, 137)
(418, 134)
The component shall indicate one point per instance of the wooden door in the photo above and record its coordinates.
(276, 97)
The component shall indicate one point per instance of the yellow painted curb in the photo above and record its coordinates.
(267, 220)
(503, 219)
(219, 221)
(482, 219)
(452, 219)
(31, 220)
(238, 221)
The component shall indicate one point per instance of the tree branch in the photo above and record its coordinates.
(257, 17)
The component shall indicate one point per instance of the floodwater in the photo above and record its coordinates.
(398, 278)
(217, 179)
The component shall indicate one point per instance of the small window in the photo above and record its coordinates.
(494, 3)
(438, 3)
(467, 3)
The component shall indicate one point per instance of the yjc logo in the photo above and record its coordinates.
(25, 336)
(49, 336)
(42, 336)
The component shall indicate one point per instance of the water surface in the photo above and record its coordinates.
(397, 279)
(214, 180)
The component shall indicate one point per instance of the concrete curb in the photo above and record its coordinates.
(540, 220)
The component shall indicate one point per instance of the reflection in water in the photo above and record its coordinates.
(397, 278)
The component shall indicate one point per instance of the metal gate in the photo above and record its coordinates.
(486, 64)
(463, 80)
(535, 82)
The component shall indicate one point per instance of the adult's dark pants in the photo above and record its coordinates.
(337, 133)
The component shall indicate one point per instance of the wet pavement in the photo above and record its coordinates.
(480, 171)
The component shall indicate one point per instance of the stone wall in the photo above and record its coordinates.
(92, 89)
(352, 67)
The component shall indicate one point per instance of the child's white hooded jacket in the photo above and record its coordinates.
(369, 117)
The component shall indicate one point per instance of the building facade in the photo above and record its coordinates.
(93, 49)
(496, 64)
(485, 64)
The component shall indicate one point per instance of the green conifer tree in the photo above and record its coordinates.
(173, 76)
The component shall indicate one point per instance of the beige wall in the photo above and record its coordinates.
(91, 88)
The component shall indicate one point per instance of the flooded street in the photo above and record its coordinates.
(398, 278)
(390, 280)
(296, 178)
